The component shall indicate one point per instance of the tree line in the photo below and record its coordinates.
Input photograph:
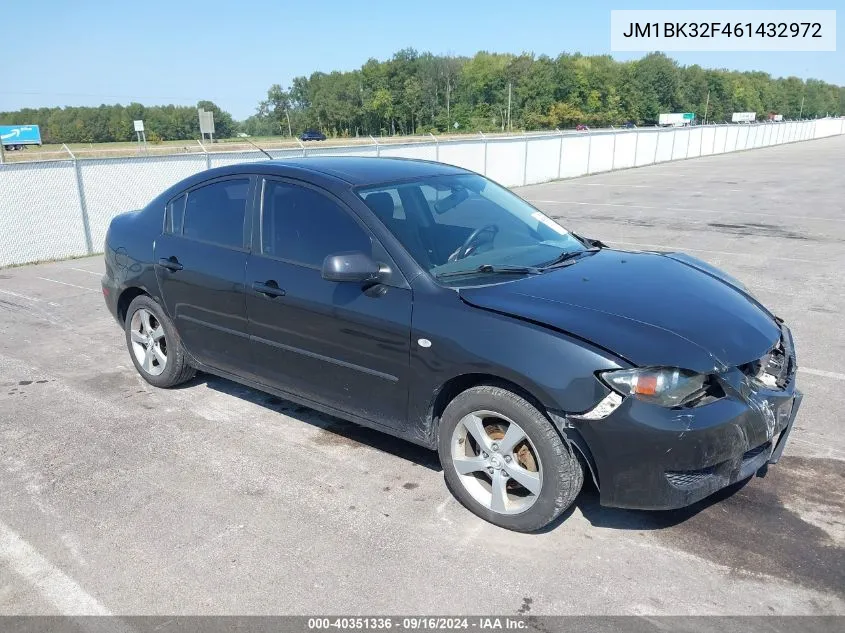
(108, 123)
(420, 93)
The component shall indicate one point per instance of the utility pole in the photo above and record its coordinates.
(448, 112)
(287, 114)
(802, 108)
(510, 85)
(706, 107)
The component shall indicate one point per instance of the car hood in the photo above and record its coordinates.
(651, 309)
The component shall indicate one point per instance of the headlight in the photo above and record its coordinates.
(668, 387)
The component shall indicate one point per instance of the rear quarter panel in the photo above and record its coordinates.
(128, 252)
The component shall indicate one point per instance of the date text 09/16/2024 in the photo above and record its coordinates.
(419, 623)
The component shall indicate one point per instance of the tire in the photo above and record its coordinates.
(505, 467)
(154, 345)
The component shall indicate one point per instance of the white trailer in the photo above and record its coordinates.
(744, 117)
(676, 119)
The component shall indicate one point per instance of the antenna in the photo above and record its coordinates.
(267, 154)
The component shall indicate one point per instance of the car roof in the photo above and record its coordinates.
(354, 171)
(361, 170)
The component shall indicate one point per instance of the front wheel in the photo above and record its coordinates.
(504, 461)
(154, 344)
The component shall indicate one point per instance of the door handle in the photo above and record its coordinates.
(171, 263)
(269, 288)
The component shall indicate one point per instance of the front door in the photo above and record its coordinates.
(200, 265)
(338, 344)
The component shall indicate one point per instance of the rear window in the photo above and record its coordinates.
(173, 215)
(215, 213)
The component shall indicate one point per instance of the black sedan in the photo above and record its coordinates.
(312, 135)
(430, 303)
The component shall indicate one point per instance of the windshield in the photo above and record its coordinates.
(451, 224)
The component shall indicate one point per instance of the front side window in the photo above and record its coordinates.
(215, 213)
(459, 223)
(301, 225)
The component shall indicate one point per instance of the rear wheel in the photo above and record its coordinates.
(504, 461)
(154, 345)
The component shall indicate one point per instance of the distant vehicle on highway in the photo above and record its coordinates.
(15, 137)
(744, 117)
(582, 128)
(312, 135)
(676, 119)
(629, 125)
(426, 301)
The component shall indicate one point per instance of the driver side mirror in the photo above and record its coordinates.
(355, 267)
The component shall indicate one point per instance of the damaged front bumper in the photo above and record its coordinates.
(650, 457)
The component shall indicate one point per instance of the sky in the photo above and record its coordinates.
(90, 52)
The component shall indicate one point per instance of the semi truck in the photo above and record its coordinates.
(19, 136)
(676, 119)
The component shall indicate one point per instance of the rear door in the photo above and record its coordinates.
(339, 344)
(200, 266)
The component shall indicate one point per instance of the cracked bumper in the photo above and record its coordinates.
(650, 457)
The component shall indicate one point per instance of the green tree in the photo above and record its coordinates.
(381, 107)
(564, 114)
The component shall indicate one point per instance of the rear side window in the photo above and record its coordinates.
(215, 213)
(173, 214)
(301, 225)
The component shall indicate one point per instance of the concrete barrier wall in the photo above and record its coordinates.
(57, 209)
(467, 154)
(575, 156)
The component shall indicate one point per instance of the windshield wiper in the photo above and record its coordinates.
(567, 258)
(491, 269)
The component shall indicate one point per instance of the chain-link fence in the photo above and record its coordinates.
(56, 209)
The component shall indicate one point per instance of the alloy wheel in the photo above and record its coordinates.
(497, 462)
(148, 342)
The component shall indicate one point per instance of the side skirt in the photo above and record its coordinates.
(311, 404)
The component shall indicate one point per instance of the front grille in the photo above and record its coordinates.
(685, 479)
(723, 473)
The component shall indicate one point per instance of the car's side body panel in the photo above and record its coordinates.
(201, 283)
(331, 342)
(128, 256)
(336, 344)
(205, 299)
(553, 367)
(299, 398)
